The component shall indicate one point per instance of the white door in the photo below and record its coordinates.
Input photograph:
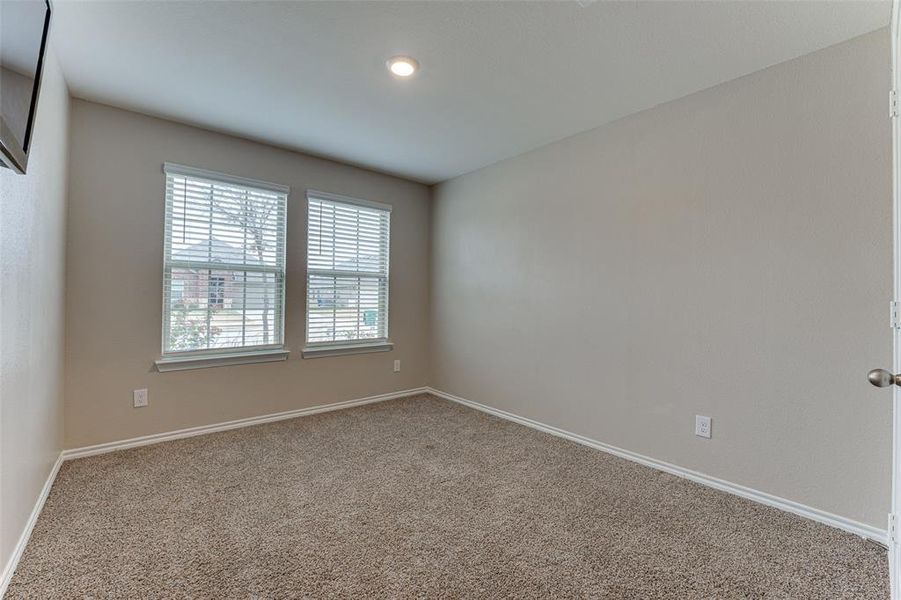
(881, 377)
(894, 554)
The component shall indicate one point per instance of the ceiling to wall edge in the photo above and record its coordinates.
(430, 183)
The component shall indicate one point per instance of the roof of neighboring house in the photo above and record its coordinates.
(216, 250)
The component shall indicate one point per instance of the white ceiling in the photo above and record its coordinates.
(497, 78)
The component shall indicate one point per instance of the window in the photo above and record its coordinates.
(347, 273)
(217, 291)
(223, 265)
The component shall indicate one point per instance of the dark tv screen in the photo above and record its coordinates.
(23, 37)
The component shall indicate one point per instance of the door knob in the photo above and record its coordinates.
(882, 378)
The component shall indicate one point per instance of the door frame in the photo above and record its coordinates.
(894, 552)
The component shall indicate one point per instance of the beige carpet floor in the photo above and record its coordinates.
(420, 498)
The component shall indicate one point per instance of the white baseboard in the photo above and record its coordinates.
(849, 525)
(19, 548)
(205, 429)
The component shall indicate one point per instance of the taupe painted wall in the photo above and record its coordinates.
(726, 254)
(32, 292)
(114, 278)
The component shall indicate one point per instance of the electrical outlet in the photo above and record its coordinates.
(397, 366)
(140, 398)
(702, 426)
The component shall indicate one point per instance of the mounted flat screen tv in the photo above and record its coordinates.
(23, 40)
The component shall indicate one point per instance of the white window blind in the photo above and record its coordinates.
(347, 270)
(224, 263)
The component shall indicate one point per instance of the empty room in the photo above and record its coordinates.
(450, 299)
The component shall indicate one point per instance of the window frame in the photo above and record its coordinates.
(356, 346)
(211, 357)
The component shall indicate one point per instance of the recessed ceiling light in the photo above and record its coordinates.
(403, 66)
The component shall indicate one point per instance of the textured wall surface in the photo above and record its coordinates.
(114, 277)
(726, 254)
(32, 293)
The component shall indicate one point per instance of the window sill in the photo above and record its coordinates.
(184, 363)
(339, 350)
